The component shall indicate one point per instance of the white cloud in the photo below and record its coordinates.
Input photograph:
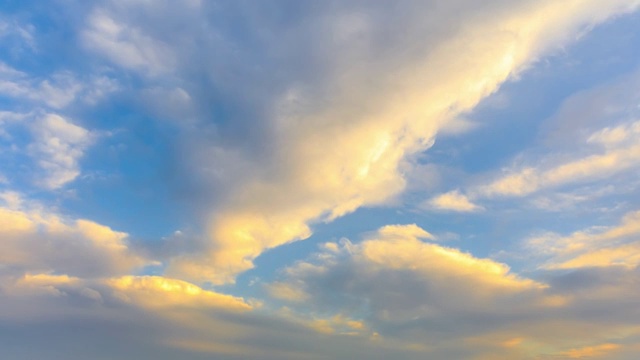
(38, 240)
(58, 146)
(589, 168)
(434, 278)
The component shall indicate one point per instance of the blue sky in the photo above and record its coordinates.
(325, 180)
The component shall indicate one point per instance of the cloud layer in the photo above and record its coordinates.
(159, 159)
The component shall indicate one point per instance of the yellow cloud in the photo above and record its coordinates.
(13, 222)
(434, 261)
(42, 241)
(401, 278)
(161, 292)
(47, 279)
(591, 351)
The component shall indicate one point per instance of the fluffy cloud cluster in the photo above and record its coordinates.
(41, 241)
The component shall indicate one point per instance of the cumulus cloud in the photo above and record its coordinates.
(16, 35)
(289, 115)
(591, 351)
(439, 298)
(166, 318)
(160, 292)
(126, 45)
(600, 155)
(452, 201)
(413, 279)
(589, 168)
(39, 104)
(39, 240)
(57, 90)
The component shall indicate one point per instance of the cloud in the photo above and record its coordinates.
(17, 36)
(39, 104)
(160, 292)
(38, 240)
(597, 148)
(601, 155)
(452, 201)
(414, 279)
(58, 146)
(56, 91)
(595, 247)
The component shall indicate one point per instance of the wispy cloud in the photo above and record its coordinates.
(592, 155)
(610, 246)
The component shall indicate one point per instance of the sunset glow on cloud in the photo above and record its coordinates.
(192, 179)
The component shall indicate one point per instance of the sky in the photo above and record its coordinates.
(194, 179)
